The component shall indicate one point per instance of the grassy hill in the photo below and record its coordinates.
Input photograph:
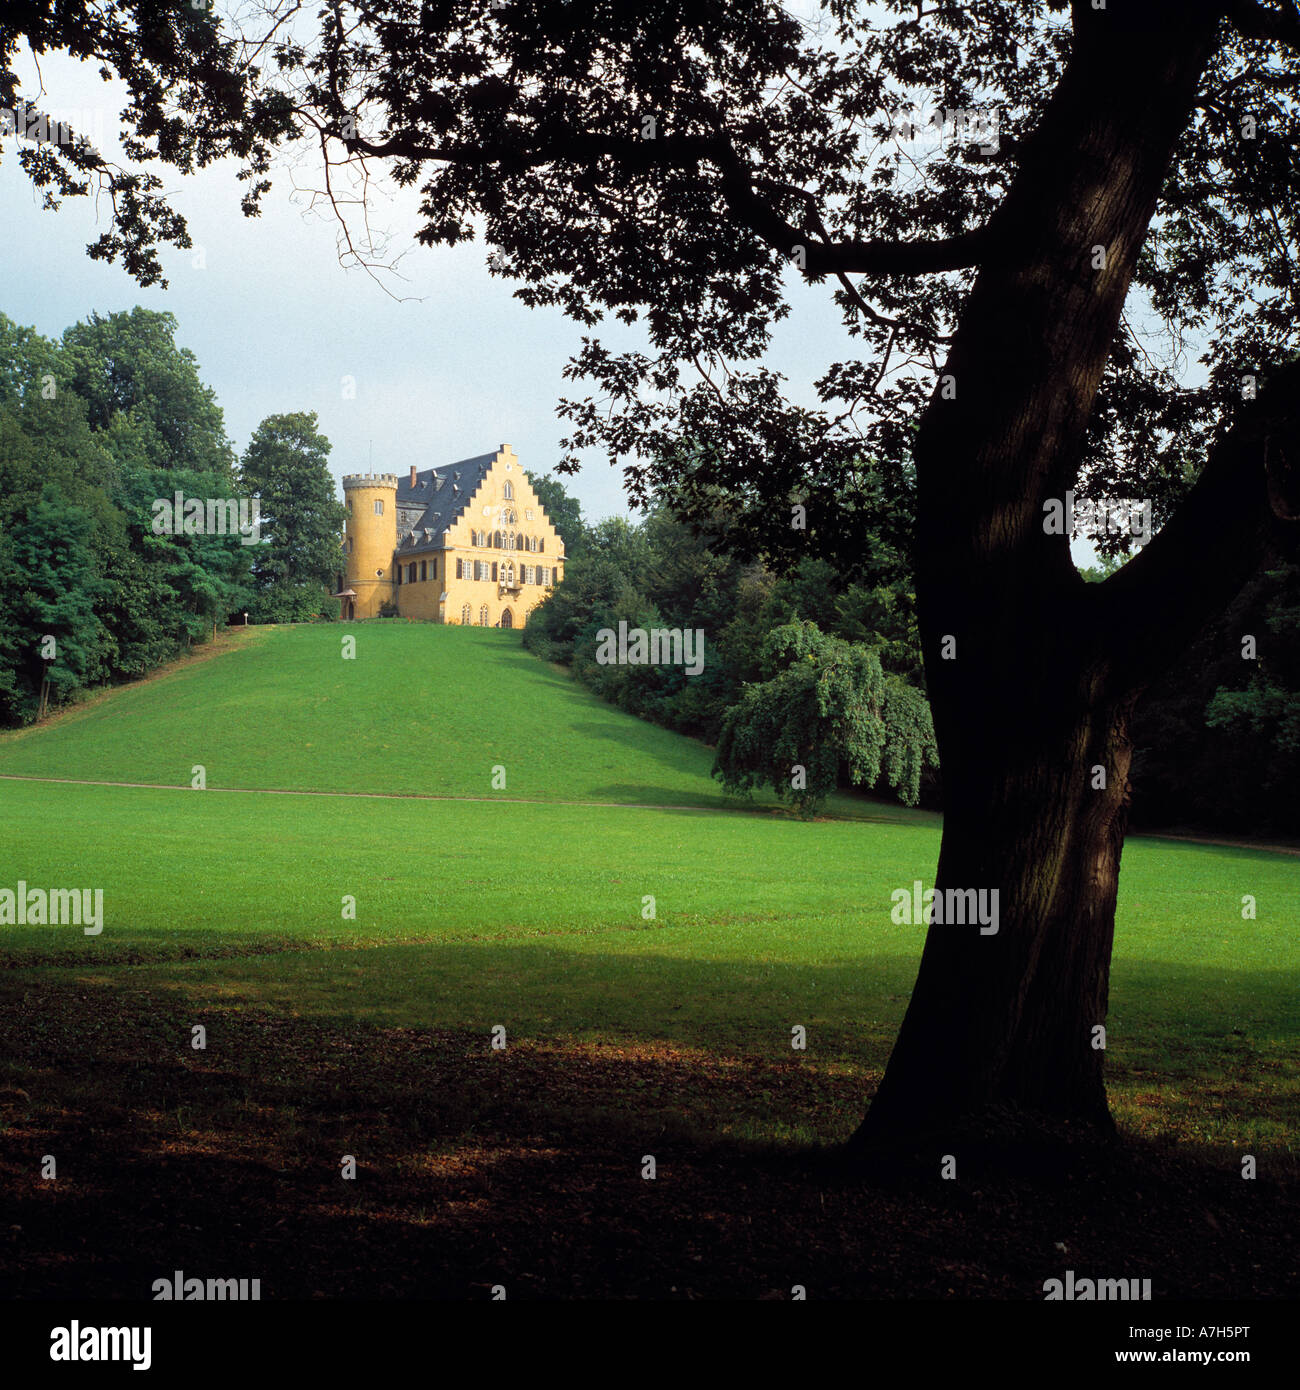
(420, 709)
(226, 907)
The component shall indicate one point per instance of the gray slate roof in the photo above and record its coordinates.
(442, 494)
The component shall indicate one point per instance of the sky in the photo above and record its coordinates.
(446, 363)
(436, 363)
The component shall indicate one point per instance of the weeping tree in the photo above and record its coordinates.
(823, 704)
(1062, 237)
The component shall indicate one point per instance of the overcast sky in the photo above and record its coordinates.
(456, 367)
(446, 363)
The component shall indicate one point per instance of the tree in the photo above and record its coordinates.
(79, 560)
(675, 164)
(564, 512)
(301, 520)
(824, 703)
(52, 588)
(129, 364)
(1217, 741)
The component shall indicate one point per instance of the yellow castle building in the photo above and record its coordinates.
(467, 543)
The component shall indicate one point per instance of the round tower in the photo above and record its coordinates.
(369, 539)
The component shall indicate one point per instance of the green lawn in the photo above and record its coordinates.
(483, 911)
(420, 709)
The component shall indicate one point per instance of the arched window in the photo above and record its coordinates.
(466, 615)
(541, 544)
(508, 490)
(483, 616)
(507, 618)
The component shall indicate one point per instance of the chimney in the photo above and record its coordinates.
(412, 476)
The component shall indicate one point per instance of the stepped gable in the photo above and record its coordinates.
(444, 493)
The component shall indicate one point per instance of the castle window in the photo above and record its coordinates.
(410, 573)
(541, 544)
(508, 490)
(435, 567)
(424, 569)
(483, 616)
(379, 506)
(494, 571)
(459, 566)
(466, 615)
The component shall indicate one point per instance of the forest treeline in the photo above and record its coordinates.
(105, 573)
(1216, 741)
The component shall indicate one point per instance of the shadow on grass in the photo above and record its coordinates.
(525, 1167)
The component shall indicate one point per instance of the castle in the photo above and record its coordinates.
(468, 543)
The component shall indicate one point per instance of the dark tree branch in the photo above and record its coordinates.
(1255, 21)
(820, 256)
(1155, 605)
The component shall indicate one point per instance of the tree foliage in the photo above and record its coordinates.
(823, 704)
(95, 430)
(564, 512)
(663, 573)
(301, 518)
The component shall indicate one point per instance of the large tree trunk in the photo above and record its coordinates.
(1028, 695)
(1010, 1018)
